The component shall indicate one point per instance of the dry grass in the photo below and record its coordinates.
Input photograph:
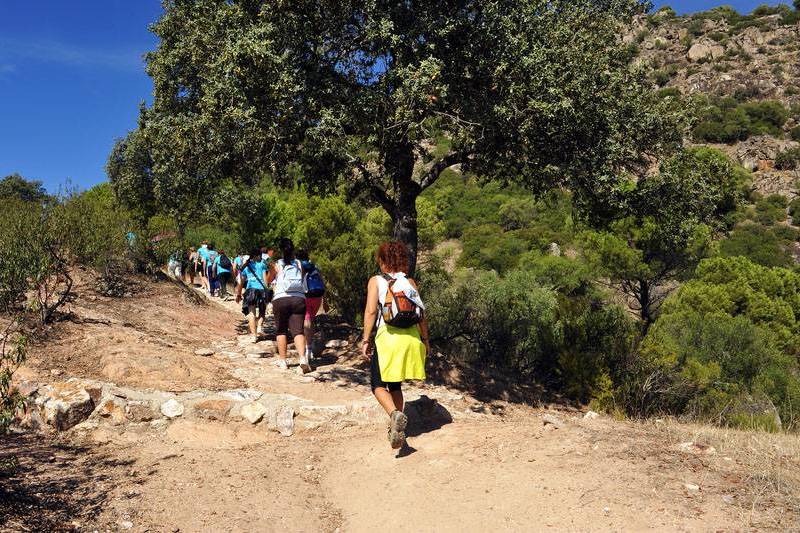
(765, 465)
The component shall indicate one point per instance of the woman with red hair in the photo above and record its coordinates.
(395, 310)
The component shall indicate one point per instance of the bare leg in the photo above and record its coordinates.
(397, 398)
(300, 346)
(281, 347)
(386, 399)
(308, 330)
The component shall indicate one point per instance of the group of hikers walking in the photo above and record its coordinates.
(395, 337)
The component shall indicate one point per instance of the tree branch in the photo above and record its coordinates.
(448, 161)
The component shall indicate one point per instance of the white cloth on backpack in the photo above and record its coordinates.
(401, 284)
(289, 281)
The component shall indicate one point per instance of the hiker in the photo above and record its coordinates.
(395, 309)
(191, 264)
(222, 271)
(266, 255)
(315, 290)
(289, 303)
(174, 265)
(253, 279)
(200, 264)
(208, 268)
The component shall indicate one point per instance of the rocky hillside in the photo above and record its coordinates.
(728, 60)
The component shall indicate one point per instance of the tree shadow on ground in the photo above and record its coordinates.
(54, 484)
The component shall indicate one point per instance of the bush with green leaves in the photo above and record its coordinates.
(727, 339)
(766, 246)
(12, 355)
(543, 320)
(724, 120)
(788, 159)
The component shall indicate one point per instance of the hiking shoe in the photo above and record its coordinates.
(304, 364)
(281, 364)
(397, 429)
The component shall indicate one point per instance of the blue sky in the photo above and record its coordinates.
(72, 77)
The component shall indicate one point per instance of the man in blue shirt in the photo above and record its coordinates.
(202, 260)
(253, 280)
(222, 270)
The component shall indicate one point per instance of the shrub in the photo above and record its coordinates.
(757, 243)
(12, 355)
(788, 159)
(724, 340)
(795, 133)
(523, 321)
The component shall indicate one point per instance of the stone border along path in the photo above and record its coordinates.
(344, 400)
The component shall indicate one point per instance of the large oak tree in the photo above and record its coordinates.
(380, 97)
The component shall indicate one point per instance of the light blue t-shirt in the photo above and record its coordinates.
(220, 269)
(203, 251)
(254, 271)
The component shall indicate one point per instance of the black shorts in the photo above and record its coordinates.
(254, 300)
(290, 313)
(376, 381)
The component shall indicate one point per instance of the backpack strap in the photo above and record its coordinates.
(250, 268)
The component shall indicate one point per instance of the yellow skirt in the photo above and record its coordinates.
(401, 353)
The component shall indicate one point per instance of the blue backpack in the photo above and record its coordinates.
(315, 287)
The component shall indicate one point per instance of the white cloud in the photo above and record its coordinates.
(70, 55)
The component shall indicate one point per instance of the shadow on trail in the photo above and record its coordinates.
(425, 415)
(54, 484)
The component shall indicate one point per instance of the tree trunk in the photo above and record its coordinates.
(404, 220)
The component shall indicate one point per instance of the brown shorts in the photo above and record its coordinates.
(289, 315)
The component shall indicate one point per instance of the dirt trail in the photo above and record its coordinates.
(463, 472)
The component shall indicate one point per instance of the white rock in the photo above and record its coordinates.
(125, 524)
(336, 343)
(691, 487)
(204, 352)
(590, 415)
(284, 421)
(553, 421)
(161, 423)
(253, 412)
(696, 448)
(172, 408)
(65, 405)
(242, 395)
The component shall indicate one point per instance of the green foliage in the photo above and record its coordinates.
(665, 225)
(15, 187)
(789, 159)
(541, 320)
(762, 245)
(12, 355)
(727, 338)
(795, 133)
(93, 228)
(723, 120)
(359, 115)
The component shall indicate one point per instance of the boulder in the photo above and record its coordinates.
(253, 412)
(242, 395)
(204, 352)
(140, 411)
(213, 409)
(336, 343)
(112, 409)
(698, 52)
(172, 408)
(553, 421)
(65, 405)
(284, 421)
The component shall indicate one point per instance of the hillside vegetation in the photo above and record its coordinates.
(652, 279)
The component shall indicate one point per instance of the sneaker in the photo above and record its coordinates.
(281, 364)
(304, 364)
(255, 338)
(397, 429)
